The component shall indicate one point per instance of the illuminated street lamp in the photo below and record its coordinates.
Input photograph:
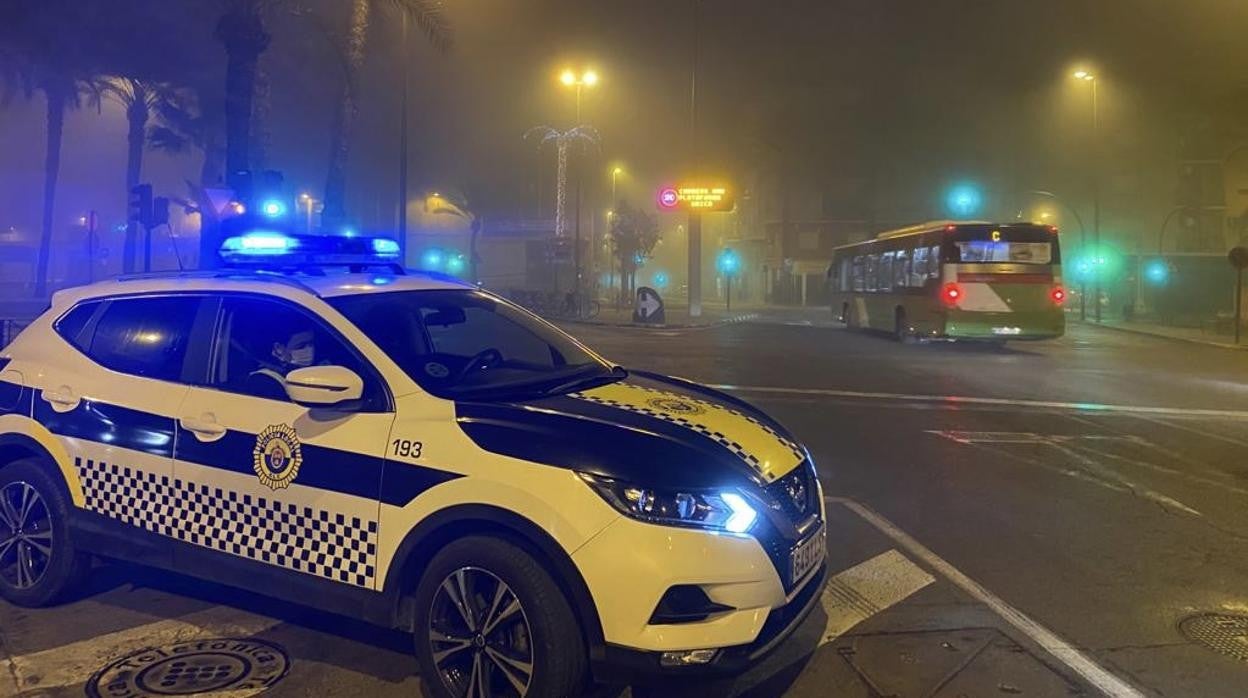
(1089, 77)
(569, 78)
(308, 202)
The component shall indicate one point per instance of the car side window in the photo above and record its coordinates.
(261, 341)
(72, 326)
(145, 337)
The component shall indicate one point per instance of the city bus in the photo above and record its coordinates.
(971, 280)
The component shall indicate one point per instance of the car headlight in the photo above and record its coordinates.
(722, 510)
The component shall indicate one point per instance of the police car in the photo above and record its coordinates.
(410, 450)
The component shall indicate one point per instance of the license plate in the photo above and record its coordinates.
(1007, 330)
(808, 554)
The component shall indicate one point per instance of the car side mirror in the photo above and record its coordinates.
(323, 386)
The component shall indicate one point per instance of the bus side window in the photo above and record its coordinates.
(918, 268)
(933, 262)
(901, 269)
(859, 273)
(886, 272)
(873, 265)
(846, 268)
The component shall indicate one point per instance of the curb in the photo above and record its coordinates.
(1155, 335)
(666, 326)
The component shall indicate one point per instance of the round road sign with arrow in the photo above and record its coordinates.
(649, 307)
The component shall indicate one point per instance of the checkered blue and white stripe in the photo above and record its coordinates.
(676, 418)
(313, 541)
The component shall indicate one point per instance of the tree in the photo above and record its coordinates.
(140, 98)
(634, 233)
(430, 19)
(41, 55)
(241, 30)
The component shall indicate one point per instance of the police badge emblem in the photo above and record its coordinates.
(673, 405)
(277, 456)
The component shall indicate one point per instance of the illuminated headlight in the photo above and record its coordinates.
(722, 510)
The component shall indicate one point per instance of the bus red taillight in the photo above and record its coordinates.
(951, 294)
(1058, 294)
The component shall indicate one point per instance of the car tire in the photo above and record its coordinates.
(38, 560)
(542, 629)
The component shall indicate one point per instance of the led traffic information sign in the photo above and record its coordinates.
(696, 198)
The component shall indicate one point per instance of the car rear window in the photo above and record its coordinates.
(144, 336)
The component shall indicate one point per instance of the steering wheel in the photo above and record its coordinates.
(480, 360)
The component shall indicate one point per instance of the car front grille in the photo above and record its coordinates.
(796, 495)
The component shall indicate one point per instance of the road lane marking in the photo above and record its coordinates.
(868, 588)
(1078, 662)
(957, 400)
(73, 664)
(1066, 445)
(1198, 432)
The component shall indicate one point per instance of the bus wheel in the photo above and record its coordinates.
(901, 331)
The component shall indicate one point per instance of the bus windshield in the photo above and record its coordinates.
(1002, 251)
(1005, 244)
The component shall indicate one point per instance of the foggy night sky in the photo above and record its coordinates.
(926, 91)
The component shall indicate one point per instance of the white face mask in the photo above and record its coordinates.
(303, 356)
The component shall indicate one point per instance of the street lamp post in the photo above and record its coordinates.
(307, 200)
(615, 173)
(1088, 77)
(589, 78)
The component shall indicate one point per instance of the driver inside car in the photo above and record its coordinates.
(269, 381)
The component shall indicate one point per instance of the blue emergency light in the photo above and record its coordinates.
(263, 249)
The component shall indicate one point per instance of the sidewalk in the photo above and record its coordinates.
(677, 316)
(1192, 335)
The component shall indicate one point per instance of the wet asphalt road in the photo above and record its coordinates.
(1047, 519)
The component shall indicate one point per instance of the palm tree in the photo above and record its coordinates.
(140, 98)
(65, 85)
(241, 29)
(563, 139)
(429, 17)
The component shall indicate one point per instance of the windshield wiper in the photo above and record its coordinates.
(617, 373)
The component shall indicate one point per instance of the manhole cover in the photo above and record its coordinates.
(240, 666)
(1219, 632)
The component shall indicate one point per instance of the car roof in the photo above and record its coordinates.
(285, 285)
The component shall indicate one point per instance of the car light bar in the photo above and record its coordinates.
(267, 248)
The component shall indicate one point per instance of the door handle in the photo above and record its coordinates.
(62, 399)
(205, 428)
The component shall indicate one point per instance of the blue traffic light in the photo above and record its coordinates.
(728, 263)
(273, 208)
(432, 259)
(1157, 272)
(661, 280)
(964, 200)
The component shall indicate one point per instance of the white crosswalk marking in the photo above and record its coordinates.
(868, 588)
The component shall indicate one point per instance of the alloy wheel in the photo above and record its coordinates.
(480, 637)
(25, 535)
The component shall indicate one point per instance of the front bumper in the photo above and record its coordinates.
(630, 565)
(627, 665)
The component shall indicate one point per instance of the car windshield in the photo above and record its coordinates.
(469, 344)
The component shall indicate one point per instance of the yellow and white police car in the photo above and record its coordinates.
(409, 450)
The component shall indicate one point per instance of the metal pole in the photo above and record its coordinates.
(147, 247)
(402, 150)
(695, 219)
(728, 298)
(1239, 301)
(1096, 200)
(91, 223)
